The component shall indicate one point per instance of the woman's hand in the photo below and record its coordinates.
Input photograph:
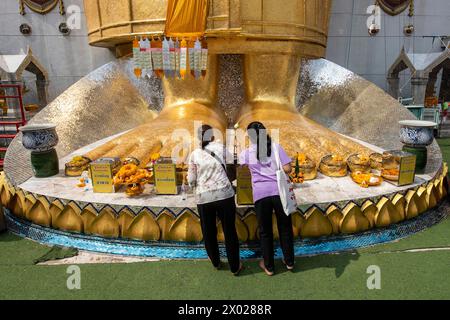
(287, 168)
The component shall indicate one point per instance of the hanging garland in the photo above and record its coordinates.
(170, 57)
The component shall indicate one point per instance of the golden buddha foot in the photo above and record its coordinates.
(270, 82)
(186, 102)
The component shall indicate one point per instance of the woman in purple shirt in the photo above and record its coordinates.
(260, 159)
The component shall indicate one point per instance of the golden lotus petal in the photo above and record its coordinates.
(370, 210)
(252, 226)
(126, 217)
(186, 228)
(298, 221)
(5, 194)
(399, 202)
(69, 219)
(316, 225)
(387, 213)
(335, 216)
(438, 189)
(56, 207)
(165, 221)
(442, 188)
(88, 215)
(106, 224)
(17, 204)
(423, 203)
(144, 227)
(412, 204)
(30, 200)
(39, 213)
(241, 230)
(432, 197)
(354, 221)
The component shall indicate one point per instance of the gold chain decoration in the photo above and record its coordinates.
(21, 8)
(39, 8)
(411, 9)
(62, 10)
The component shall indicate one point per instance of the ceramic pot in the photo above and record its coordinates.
(416, 133)
(45, 164)
(39, 137)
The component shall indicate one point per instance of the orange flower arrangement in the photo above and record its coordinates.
(302, 158)
(133, 177)
(297, 178)
(366, 180)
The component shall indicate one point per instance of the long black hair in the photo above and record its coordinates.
(258, 134)
(205, 135)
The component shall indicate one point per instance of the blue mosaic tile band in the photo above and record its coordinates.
(183, 250)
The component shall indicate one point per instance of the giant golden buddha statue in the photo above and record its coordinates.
(272, 35)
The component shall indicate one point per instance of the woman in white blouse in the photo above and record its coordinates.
(215, 198)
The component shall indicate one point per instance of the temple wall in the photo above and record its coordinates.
(66, 58)
(349, 44)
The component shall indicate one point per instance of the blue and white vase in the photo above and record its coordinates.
(39, 137)
(416, 133)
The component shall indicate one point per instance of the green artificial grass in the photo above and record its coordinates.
(404, 274)
(444, 143)
(437, 236)
(343, 276)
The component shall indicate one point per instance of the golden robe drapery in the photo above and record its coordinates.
(186, 18)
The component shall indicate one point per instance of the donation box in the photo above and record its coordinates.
(406, 164)
(244, 186)
(102, 175)
(165, 178)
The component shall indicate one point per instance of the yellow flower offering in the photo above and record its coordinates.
(302, 159)
(155, 157)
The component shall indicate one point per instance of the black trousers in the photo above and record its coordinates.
(264, 209)
(225, 210)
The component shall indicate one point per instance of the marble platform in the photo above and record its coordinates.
(321, 192)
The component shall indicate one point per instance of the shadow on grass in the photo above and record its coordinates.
(5, 236)
(338, 262)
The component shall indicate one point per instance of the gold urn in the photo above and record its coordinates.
(291, 26)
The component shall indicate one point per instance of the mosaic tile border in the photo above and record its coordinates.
(184, 250)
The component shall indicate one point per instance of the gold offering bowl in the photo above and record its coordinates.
(333, 166)
(308, 169)
(390, 161)
(376, 161)
(359, 163)
(77, 166)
